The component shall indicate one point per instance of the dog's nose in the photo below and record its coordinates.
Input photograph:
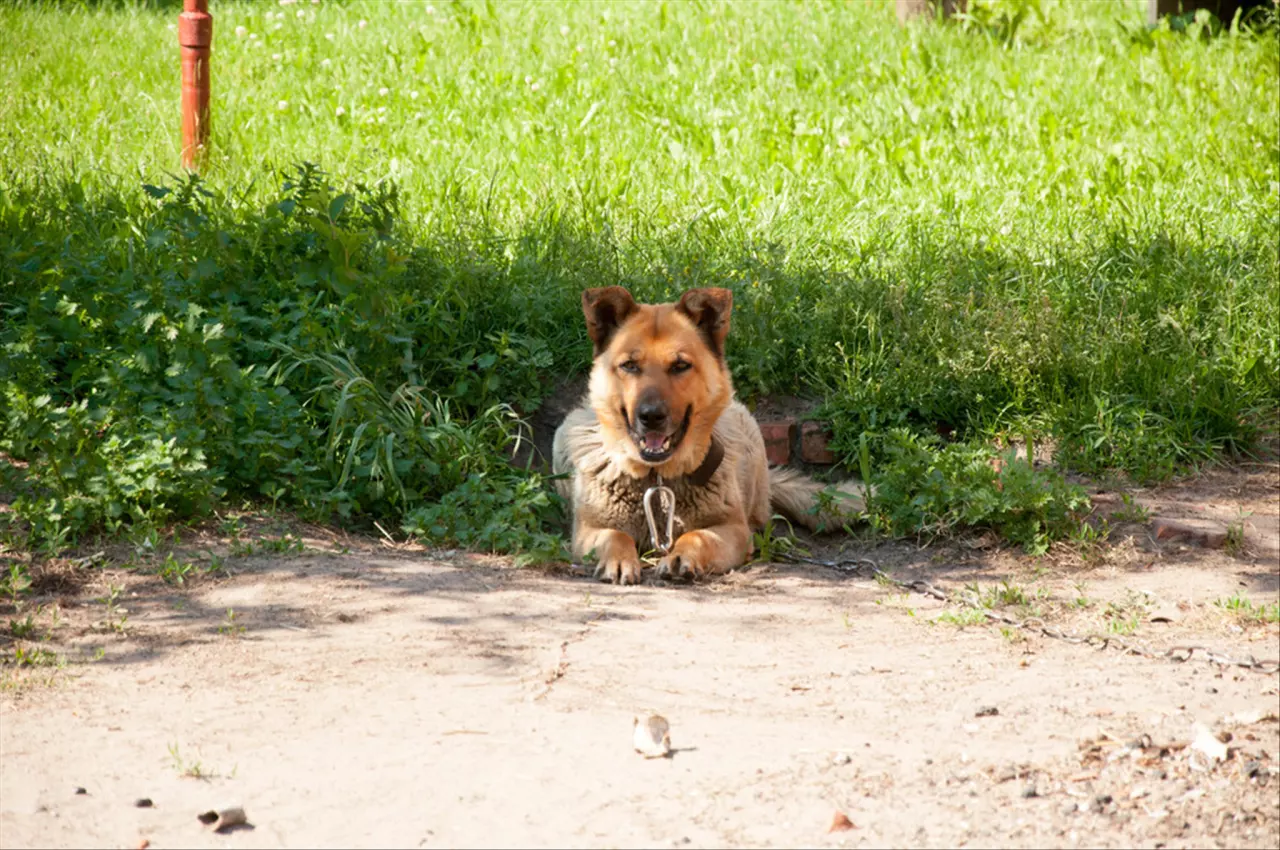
(652, 414)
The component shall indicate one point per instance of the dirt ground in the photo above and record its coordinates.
(364, 693)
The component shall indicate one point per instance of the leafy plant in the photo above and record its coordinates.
(923, 487)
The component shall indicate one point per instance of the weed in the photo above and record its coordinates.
(1012, 635)
(24, 629)
(189, 769)
(769, 544)
(1007, 594)
(230, 627)
(117, 617)
(36, 656)
(963, 617)
(1122, 624)
(230, 526)
(242, 548)
(15, 583)
(176, 572)
(1132, 511)
(1124, 617)
(1235, 537)
(924, 487)
(1246, 610)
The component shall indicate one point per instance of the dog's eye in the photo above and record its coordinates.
(631, 367)
(680, 366)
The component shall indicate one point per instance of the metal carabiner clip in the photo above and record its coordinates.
(667, 504)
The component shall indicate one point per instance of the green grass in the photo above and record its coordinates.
(1247, 610)
(1061, 230)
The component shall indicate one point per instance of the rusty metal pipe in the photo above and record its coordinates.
(195, 36)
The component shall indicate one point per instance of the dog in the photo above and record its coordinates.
(660, 410)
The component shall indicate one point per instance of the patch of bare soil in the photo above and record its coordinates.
(360, 693)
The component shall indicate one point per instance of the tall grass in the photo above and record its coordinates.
(1065, 228)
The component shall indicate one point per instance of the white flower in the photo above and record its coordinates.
(325, 63)
(363, 23)
(287, 2)
(282, 105)
(277, 26)
(430, 10)
(241, 32)
(842, 141)
(301, 14)
(613, 43)
(613, 60)
(276, 57)
(564, 29)
(382, 119)
(340, 112)
(329, 36)
(252, 36)
(535, 86)
(413, 95)
(384, 91)
(381, 109)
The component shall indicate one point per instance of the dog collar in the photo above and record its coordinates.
(701, 476)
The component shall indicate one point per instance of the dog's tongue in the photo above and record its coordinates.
(653, 440)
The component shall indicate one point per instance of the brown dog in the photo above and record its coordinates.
(660, 407)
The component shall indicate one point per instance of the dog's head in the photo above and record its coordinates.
(659, 382)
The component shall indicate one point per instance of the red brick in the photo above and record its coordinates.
(1205, 533)
(777, 440)
(813, 444)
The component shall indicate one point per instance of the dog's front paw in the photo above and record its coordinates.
(699, 554)
(619, 570)
(681, 566)
(690, 559)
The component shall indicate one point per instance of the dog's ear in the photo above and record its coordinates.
(605, 309)
(709, 309)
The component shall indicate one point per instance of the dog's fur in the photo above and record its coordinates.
(660, 377)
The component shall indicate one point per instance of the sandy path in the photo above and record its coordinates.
(377, 700)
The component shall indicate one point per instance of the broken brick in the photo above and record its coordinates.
(813, 444)
(777, 440)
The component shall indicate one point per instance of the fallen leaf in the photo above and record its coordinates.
(840, 823)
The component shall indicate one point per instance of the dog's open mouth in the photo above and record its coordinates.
(657, 446)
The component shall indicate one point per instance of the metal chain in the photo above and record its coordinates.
(1176, 654)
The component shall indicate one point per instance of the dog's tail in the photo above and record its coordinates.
(795, 496)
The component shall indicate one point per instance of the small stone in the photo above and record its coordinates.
(841, 758)
(986, 711)
(1030, 791)
(652, 736)
(840, 823)
(80, 791)
(1211, 690)
(1070, 808)
(143, 803)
